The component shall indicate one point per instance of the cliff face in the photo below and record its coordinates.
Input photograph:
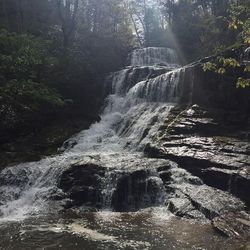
(212, 144)
(209, 137)
(219, 91)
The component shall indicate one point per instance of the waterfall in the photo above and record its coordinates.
(141, 98)
(153, 56)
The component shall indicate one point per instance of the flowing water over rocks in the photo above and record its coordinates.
(102, 192)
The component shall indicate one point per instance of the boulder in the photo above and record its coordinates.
(83, 184)
(210, 201)
(136, 190)
(235, 225)
(209, 143)
(183, 207)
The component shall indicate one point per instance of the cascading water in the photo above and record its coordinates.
(135, 110)
(107, 163)
(153, 56)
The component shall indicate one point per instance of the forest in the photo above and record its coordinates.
(115, 114)
(55, 54)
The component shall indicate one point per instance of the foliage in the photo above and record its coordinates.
(23, 56)
(199, 27)
(31, 94)
(209, 66)
(221, 66)
(203, 27)
(24, 65)
(64, 45)
(243, 83)
(238, 20)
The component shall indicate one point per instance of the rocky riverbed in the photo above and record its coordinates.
(214, 146)
(203, 175)
(153, 154)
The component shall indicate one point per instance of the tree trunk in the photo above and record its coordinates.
(5, 13)
(21, 17)
(68, 19)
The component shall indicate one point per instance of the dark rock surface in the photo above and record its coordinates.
(137, 190)
(82, 183)
(187, 196)
(131, 183)
(212, 145)
(233, 224)
(205, 174)
(213, 90)
(209, 145)
(183, 207)
(211, 202)
(127, 183)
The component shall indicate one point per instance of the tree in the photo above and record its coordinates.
(85, 38)
(21, 16)
(148, 22)
(67, 12)
(239, 22)
(199, 26)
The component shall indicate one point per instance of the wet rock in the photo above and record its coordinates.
(183, 207)
(209, 144)
(166, 167)
(236, 182)
(127, 183)
(137, 190)
(132, 75)
(210, 201)
(83, 184)
(165, 176)
(189, 197)
(18, 177)
(233, 154)
(233, 224)
(180, 175)
(67, 145)
(154, 151)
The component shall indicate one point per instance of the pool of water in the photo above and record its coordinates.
(149, 229)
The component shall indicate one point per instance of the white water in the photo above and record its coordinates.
(129, 121)
(151, 56)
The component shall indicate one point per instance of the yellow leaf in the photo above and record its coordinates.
(247, 69)
(221, 71)
(247, 40)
